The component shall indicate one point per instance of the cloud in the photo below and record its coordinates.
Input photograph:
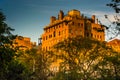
(101, 16)
(111, 33)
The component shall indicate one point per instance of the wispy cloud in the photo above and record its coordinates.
(101, 16)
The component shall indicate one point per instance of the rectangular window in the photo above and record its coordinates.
(59, 33)
(43, 38)
(54, 34)
(95, 36)
(81, 24)
(87, 34)
(46, 37)
(51, 35)
(66, 23)
(72, 23)
(91, 35)
(46, 48)
(59, 26)
(70, 31)
(78, 24)
(100, 37)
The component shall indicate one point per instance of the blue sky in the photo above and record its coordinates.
(28, 17)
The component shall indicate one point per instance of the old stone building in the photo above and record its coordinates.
(71, 25)
(23, 43)
(114, 44)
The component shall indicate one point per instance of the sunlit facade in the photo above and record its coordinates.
(71, 25)
(114, 44)
(23, 43)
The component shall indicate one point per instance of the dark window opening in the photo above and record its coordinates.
(78, 24)
(46, 37)
(59, 33)
(54, 34)
(91, 35)
(87, 34)
(72, 23)
(81, 24)
(46, 48)
(43, 38)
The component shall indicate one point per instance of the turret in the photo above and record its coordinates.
(60, 15)
(96, 21)
(93, 18)
(52, 19)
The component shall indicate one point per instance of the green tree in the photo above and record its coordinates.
(8, 64)
(5, 32)
(86, 59)
(16, 71)
(38, 63)
(109, 67)
(79, 55)
(6, 53)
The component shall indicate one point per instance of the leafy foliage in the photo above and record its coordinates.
(86, 59)
(10, 69)
(114, 29)
(38, 63)
(5, 32)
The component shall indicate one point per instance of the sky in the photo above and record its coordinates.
(29, 17)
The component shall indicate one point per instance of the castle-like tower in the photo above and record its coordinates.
(71, 25)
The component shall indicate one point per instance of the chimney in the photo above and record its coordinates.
(60, 15)
(93, 18)
(52, 19)
(96, 21)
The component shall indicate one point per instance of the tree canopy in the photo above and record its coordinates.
(84, 58)
(10, 68)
